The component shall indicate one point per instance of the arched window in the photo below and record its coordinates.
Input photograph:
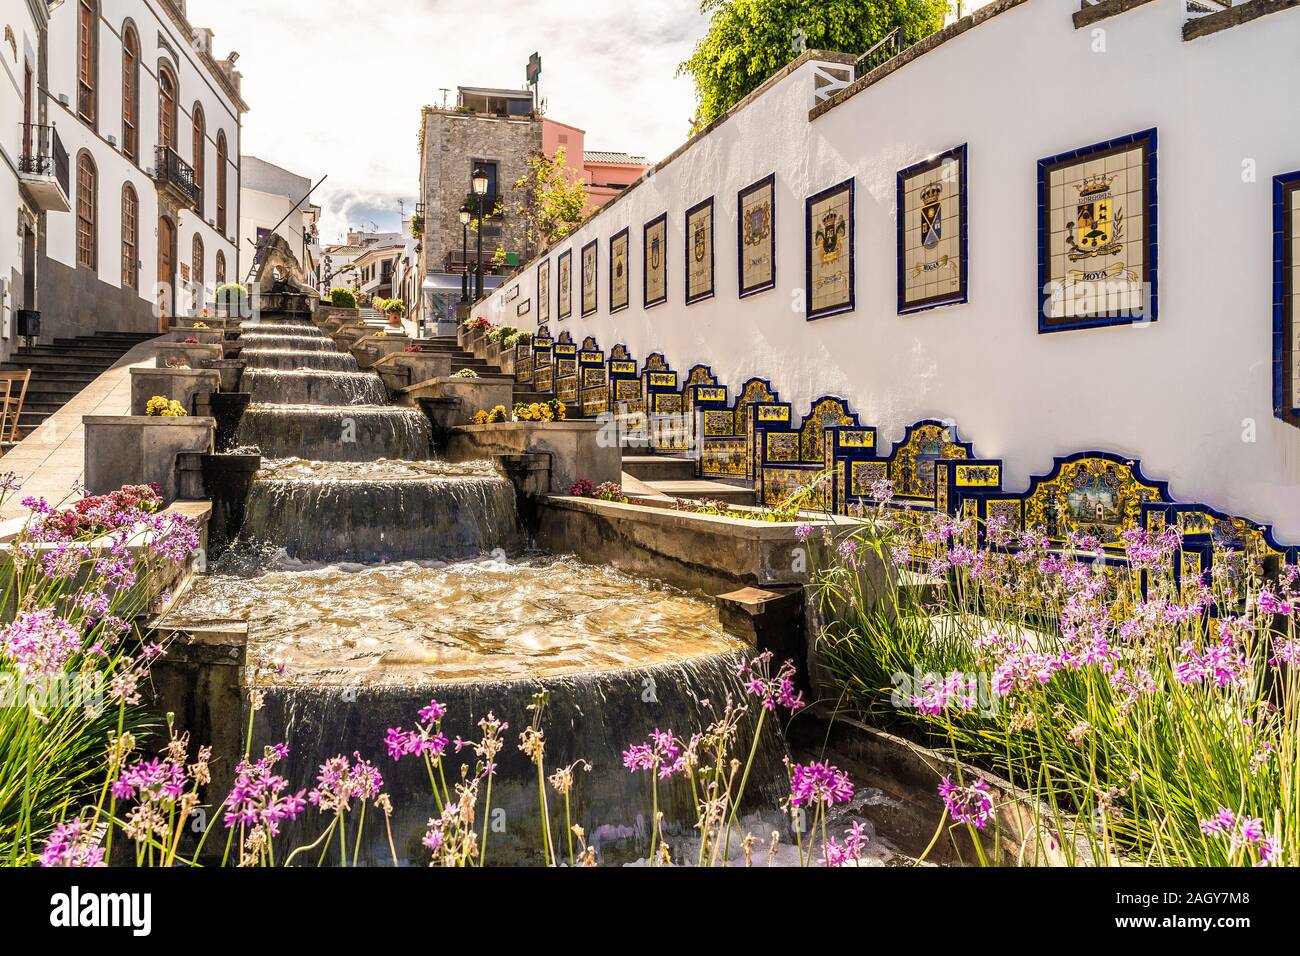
(220, 276)
(221, 181)
(87, 196)
(196, 271)
(130, 94)
(200, 143)
(130, 237)
(166, 108)
(87, 59)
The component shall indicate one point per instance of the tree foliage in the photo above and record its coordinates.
(749, 40)
(553, 199)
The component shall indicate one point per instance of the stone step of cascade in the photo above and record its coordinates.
(660, 468)
(703, 488)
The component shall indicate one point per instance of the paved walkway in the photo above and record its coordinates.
(50, 462)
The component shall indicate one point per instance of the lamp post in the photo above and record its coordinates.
(464, 252)
(480, 190)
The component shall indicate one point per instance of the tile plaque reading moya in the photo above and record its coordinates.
(1097, 235)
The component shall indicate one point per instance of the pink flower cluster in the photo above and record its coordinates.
(819, 783)
(95, 515)
(72, 845)
(971, 804)
(835, 854)
(339, 781)
(259, 796)
(1244, 833)
(39, 643)
(425, 739)
(661, 754)
(771, 689)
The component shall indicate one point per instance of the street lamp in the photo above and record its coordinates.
(464, 252)
(480, 183)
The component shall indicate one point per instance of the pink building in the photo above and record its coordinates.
(605, 173)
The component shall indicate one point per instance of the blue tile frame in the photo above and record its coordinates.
(543, 316)
(768, 180)
(646, 302)
(627, 264)
(686, 254)
(1150, 206)
(809, 231)
(957, 153)
(1286, 405)
(565, 256)
(594, 246)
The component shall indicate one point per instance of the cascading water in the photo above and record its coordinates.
(343, 651)
(382, 511)
(313, 387)
(298, 358)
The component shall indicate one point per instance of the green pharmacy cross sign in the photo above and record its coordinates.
(534, 71)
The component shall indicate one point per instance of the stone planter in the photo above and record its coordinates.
(138, 449)
(712, 553)
(345, 337)
(178, 384)
(331, 317)
(212, 322)
(506, 362)
(451, 401)
(403, 369)
(369, 349)
(204, 336)
(230, 371)
(578, 449)
(492, 352)
(178, 354)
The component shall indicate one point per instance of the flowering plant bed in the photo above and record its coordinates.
(548, 411)
(1153, 716)
(483, 417)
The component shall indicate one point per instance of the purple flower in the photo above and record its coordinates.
(1270, 603)
(39, 643)
(434, 711)
(259, 796)
(771, 690)
(152, 781)
(803, 532)
(971, 805)
(339, 781)
(401, 743)
(661, 754)
(855, 840)
(819, 783)
(71, 845)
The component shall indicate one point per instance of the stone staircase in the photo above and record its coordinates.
(675, 477)
(460, 358)
(64, 367)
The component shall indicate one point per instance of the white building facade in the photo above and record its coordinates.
(34, 182)
(1014, 90)
(150, 121)
(274, 200)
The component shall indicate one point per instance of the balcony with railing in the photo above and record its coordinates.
(43, 168)
(175, 176)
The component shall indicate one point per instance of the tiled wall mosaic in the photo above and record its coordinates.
(590, 278)
(1097, 235)
(756, 236)
(564, 297)
(828, 258)
(1286, 297)
(618, 272)
(932, 232)
(699, 251)
(544, 292)
(655, 268)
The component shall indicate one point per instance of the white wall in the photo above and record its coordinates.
(1020, 87)
(16, 14)
(195, 85)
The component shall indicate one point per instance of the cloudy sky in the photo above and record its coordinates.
(336, 86)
